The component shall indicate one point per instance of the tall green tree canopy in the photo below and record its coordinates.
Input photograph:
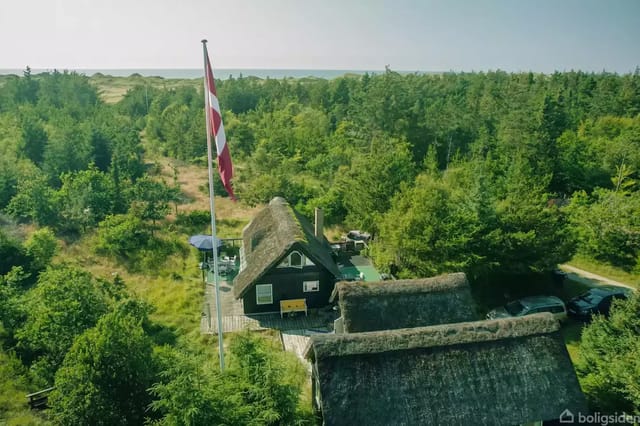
(105, 376)
(65, 302)
(609, 362)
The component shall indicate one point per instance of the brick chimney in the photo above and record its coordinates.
(319, 224)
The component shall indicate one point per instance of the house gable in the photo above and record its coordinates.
(271, 236)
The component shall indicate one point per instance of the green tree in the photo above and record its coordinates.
(609, 361)
(135, 103)
(65, 302)
(431, 227)
(269, 380)
(151, 199)
(530, 233)
(41, 247)
(608, 226)
(9, 176)
(34, 136)
(373, 178)
(11, 312)
(191, 391)
(122, 236)
(86, 197)
(69, 149)
(12, 253)
(35, 200)
(105, 375)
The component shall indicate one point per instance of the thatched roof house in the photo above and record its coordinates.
(498, 372)
(281, 249)
(405, 303)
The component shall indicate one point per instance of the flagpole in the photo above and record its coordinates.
(212, 208)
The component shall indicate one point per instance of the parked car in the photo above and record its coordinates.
(356, 235)
(596, 301)
(530, 305)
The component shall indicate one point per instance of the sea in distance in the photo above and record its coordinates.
(221, 73)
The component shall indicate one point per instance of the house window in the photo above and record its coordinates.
(256, 239)
(296, 260)
(243, 259)
(309, 286)
(264, 294)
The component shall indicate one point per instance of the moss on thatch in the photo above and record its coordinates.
(268, 238)
(507, 371)
(406, 303)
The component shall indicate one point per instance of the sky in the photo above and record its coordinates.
(407, 35)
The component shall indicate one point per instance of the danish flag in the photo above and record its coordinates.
(216, 128)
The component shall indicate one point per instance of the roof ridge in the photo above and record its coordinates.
(437, 284)
(429, 337)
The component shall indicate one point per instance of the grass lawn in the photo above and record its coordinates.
(605, 270)
(571, 332)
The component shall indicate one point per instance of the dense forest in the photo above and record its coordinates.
(478, 172)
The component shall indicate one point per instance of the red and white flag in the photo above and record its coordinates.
(216, 128)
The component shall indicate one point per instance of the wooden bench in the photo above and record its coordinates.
(293, 305)
(39, 400)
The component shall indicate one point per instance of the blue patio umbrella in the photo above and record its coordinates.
(203, 242)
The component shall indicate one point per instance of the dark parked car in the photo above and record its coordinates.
(530, 305)
(596, 301)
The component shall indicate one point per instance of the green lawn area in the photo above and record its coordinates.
(571, 332)
(605, 270)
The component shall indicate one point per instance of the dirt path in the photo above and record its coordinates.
(590, 278)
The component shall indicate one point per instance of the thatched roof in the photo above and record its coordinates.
(405, 303)
(270, 235)
(498, 372)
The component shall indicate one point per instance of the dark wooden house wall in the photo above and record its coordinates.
(287, 283)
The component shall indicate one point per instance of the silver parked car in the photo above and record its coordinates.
(531, 305)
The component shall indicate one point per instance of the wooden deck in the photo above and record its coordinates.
(263, 321)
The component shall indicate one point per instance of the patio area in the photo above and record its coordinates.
(353, 266)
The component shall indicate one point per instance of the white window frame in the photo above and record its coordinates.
(243, 259)
(258, 295)
(310, 286)
(304, 261)
(284, 263)
(301, 259)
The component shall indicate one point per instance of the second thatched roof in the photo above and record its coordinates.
(498, 372)
(385, 305)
